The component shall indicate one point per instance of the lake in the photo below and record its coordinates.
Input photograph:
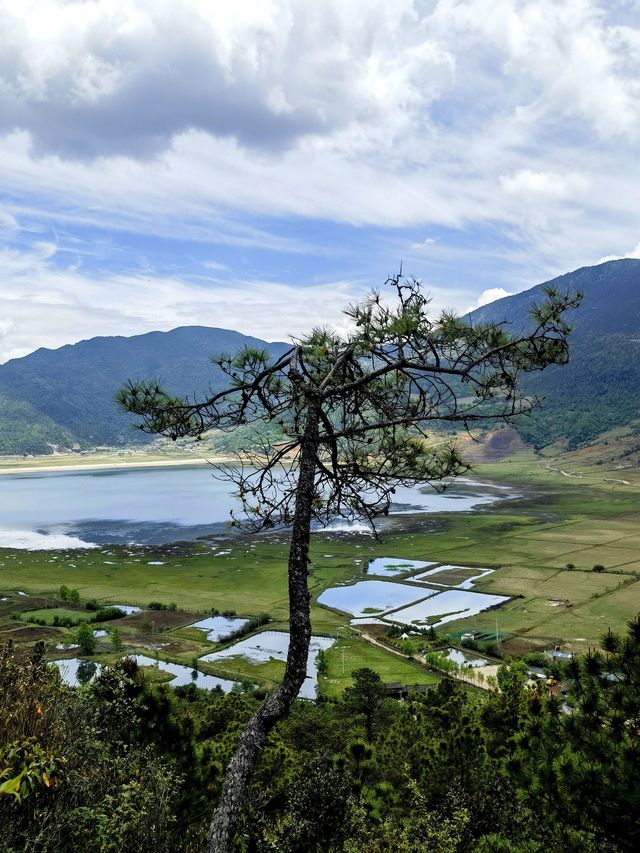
(153, 506)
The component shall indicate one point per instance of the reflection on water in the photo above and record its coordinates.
(218, 627)
(371, 597)
(274, 644)
(464, 658)
(76, 672)
(449, 605)
(160, 505)
(390, 566)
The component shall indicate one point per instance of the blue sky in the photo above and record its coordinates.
(257, 165)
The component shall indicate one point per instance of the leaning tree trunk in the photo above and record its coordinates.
(275, 707)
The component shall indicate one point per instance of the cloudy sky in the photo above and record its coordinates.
(256, 164)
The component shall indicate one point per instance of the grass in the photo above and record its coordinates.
(358, 654)
(49, 613)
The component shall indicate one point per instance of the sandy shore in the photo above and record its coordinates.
(97, 465)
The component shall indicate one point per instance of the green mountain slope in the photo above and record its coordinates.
(25, 430)
(600, 387)
(66, 396)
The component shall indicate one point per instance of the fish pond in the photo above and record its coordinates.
(218, 627)
(391, 566)
(371, 597)
(464, 659)
(445, 607)
(77, 671)
(273, 645)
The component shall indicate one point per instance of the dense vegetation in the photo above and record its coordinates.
(23, 429)
(600, 387)
(120, 764)
(66, 397)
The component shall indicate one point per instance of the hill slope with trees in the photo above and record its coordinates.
(64, 398)
(600, 387)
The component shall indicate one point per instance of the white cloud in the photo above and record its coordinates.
(633, 253)
(91, 78)
(488, 296)
(544, 186)
(189, 119)
(46, 306)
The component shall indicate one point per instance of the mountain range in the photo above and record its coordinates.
(64, 398)
(600, 387)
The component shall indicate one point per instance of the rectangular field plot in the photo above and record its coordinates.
(371, 597)
(579, 533)
(610, 556)
(273, 645)
(460, 576)
(445, 607)
(610, 611)
(522, 616)
(579, 586)
(391, 566)
(517, 580)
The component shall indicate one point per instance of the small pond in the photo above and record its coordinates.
(129, 609)
(464, 658)
(366, 598)
(262, 647)
(184, 675)
(450, 605)
(218, 627)
(76, 671)
(391, 566)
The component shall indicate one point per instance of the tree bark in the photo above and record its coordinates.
(275, 707)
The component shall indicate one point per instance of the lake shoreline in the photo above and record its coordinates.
(91, 465)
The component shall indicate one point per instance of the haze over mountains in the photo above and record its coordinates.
(64, 398)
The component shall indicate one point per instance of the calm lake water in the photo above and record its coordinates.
(159, 505)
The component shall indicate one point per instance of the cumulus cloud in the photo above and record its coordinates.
(91, 78)
(230, 124)
(487, 296)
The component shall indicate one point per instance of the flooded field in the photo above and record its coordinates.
(461, 577)
(76, 671)
(184, 675)
(270, 645)
(464, 659)
(218, 627)
(371, 597)
(391, 566)
(445, 607)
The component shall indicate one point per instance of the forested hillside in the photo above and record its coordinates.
(126, 765)
(66, 397)
(600, 387)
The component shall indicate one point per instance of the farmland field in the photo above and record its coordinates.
(542, 548)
